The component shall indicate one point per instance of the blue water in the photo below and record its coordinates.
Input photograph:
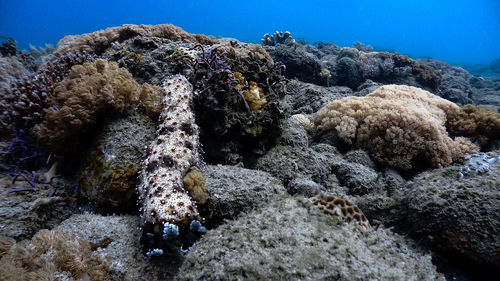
(458, 31)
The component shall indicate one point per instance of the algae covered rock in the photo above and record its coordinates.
(290, 239)
(288, 163)
(234, 190)
(460, 216)
(23, 213)
(110, 172)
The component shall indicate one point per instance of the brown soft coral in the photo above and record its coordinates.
(91, 91)
(22, 104)
(397, 125)
(481, 123)
(194, 183)
(98, 41)
(53, 255)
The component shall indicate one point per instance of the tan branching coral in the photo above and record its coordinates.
(481, 123)
(98, 41)
(335, 206)
(53, 255)
(91, 91)
(397, 125)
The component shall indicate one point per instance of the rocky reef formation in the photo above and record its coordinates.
(233, 160)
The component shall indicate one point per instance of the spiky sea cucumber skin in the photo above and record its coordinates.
(172, 153)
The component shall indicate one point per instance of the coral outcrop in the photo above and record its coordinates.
(98, 41)
(91, 91)
(399, 125)
(240, 118)
(53, 255)
(234, 190)
(247, 115)
(11, 69)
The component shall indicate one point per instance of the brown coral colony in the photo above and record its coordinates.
(334, 206)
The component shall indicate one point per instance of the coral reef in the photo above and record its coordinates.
(455, 84)
(278, 38)
(23, 105)
(166, 206)
(123, 255)
(24, 210)
(354, 67)
(399, 125)
(238, 132)
(334, 206)
(91, 91)
(53, 255)
(97, 42)
(362, 47)
(478, 123)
